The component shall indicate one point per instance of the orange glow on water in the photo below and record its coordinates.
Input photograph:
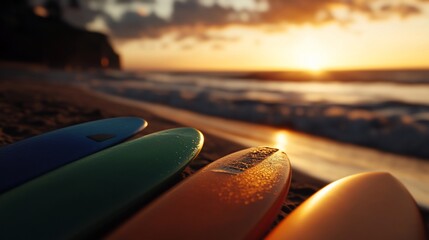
(281, 140)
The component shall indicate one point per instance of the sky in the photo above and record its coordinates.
(253, 35)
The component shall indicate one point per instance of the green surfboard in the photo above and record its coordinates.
(80, 199)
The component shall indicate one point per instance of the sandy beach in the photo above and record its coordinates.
(29, 108)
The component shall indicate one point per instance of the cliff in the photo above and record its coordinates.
(50, 41)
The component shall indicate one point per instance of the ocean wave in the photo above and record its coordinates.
(392, 126)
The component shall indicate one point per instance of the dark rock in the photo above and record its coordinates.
(50, 41)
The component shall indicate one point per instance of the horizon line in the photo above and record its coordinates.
(278, 70)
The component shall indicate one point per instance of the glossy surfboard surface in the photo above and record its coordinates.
(75, 201)
(30, 158)
(362, 206)
(235, 197)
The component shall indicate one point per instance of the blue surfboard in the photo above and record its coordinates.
(32, 157)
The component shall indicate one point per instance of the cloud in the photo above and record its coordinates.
(132, 25)
(188, 18)
(192, 18)
(78, 13)
(402, 10)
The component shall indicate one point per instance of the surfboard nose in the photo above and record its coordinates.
(128, 123)
(371, 205)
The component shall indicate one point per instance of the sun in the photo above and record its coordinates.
(310, 61)
(310, 55)
(313, 65)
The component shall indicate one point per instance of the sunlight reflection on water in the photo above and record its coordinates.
(281, 140)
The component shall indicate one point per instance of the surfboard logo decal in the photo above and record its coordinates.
(247, 161)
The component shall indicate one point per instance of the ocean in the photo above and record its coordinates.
(389, 111)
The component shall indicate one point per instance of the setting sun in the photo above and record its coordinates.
(311, 63)
(310, 55)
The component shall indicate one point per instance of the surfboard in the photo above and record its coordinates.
(363, 206)
(32, 157)
(235, 197)
(84, 197)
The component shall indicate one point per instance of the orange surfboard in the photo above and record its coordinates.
(363, 206)
(235, 197)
